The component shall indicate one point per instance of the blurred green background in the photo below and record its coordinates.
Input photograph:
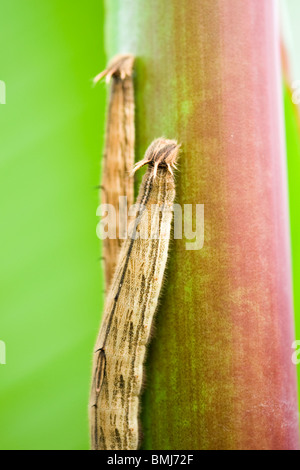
(51, 139)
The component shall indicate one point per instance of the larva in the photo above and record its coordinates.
(130, 306)
(118, 157)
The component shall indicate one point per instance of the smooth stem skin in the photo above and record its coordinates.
(219, 372)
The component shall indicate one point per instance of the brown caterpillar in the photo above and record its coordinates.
(118, 158)
(131, 303)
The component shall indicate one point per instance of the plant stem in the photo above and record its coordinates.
(219, 369)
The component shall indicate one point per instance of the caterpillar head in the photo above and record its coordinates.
(161, 153)
(120, 66)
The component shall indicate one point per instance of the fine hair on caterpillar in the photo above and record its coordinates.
(118, 157)
(130, 307)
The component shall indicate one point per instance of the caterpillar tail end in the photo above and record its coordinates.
(161, 153)
(121, 66)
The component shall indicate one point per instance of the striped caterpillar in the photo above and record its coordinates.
(130, 306)
(118, 158)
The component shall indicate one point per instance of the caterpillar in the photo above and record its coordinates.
(118, 157)
(130, 306)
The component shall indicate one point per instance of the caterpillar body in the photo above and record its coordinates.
(118, 158)
(130, 306)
